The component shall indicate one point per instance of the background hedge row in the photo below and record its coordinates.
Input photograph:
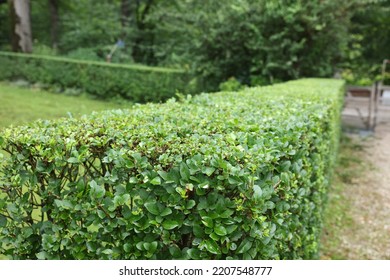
(137, 83)
(231, 175)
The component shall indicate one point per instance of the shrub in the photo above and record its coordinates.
(232, 175)
(137, 83)
(232, 84)
(365, 75)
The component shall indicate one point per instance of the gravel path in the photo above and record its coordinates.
(370, 202)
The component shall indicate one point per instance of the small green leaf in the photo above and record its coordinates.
(119, 200)
(170, 224)
(181, 191)
(233, 246)
(27, 232)
(227, 213)
(285, 178)
(167, 211)
(156, 181)
(163, 175)
(159, 219)
(198, 230)
(12, 208)
(96, 190)
(214, 236)
(127, 247)
(146, 246)
(220, 230)
(286, 165)
(175, 251)
(101, 214)
(246, 256)
(153, 247)
(208, 170)
(204, 185)
(3, 221)
(212, 246)
(65, 204)
(107, 251)
(92, 247)
(269, 205)
(139, 245)
(292, 152)
(184, 171)
(152, 208)
(207, 221)
(48, 241)
(231, 228)
(73, 160)
(41, 166)
(244, 246)
(190, 204)
(257, 192)
(42, 256)
(234, 180)
(193, 253)
(197, 241)
(202, 204)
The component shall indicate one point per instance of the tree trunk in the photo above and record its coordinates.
(21, 25)
(125, 16)
(53, 5)
(143, 41)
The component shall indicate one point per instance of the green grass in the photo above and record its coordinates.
(20, 105)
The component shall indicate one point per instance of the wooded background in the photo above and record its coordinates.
(252, 42)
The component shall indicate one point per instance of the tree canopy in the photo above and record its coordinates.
(252, 41)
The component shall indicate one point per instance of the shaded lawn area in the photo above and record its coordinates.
(23, 105)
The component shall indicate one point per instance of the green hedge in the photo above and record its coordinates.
(231, 175)
(104, 80)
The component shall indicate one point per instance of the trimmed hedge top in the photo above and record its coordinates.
(216, 176)
(139, 67)
(137, 83)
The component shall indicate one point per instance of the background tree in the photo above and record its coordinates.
(21, 25)
(5, 27)
(254, 41)
(89, 25)
(138, 30)
(369, 41)
(54, 20)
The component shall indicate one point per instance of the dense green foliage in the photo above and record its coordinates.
(372, 23)
(133, 82)
(369, 44)
(239, 175)
(256, 42)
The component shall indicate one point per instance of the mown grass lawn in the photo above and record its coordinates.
(20, 105)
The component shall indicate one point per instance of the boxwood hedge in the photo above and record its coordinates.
(137, 83)
(230, 175)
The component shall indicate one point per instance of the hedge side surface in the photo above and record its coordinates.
(231, 175)
(137, 83)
